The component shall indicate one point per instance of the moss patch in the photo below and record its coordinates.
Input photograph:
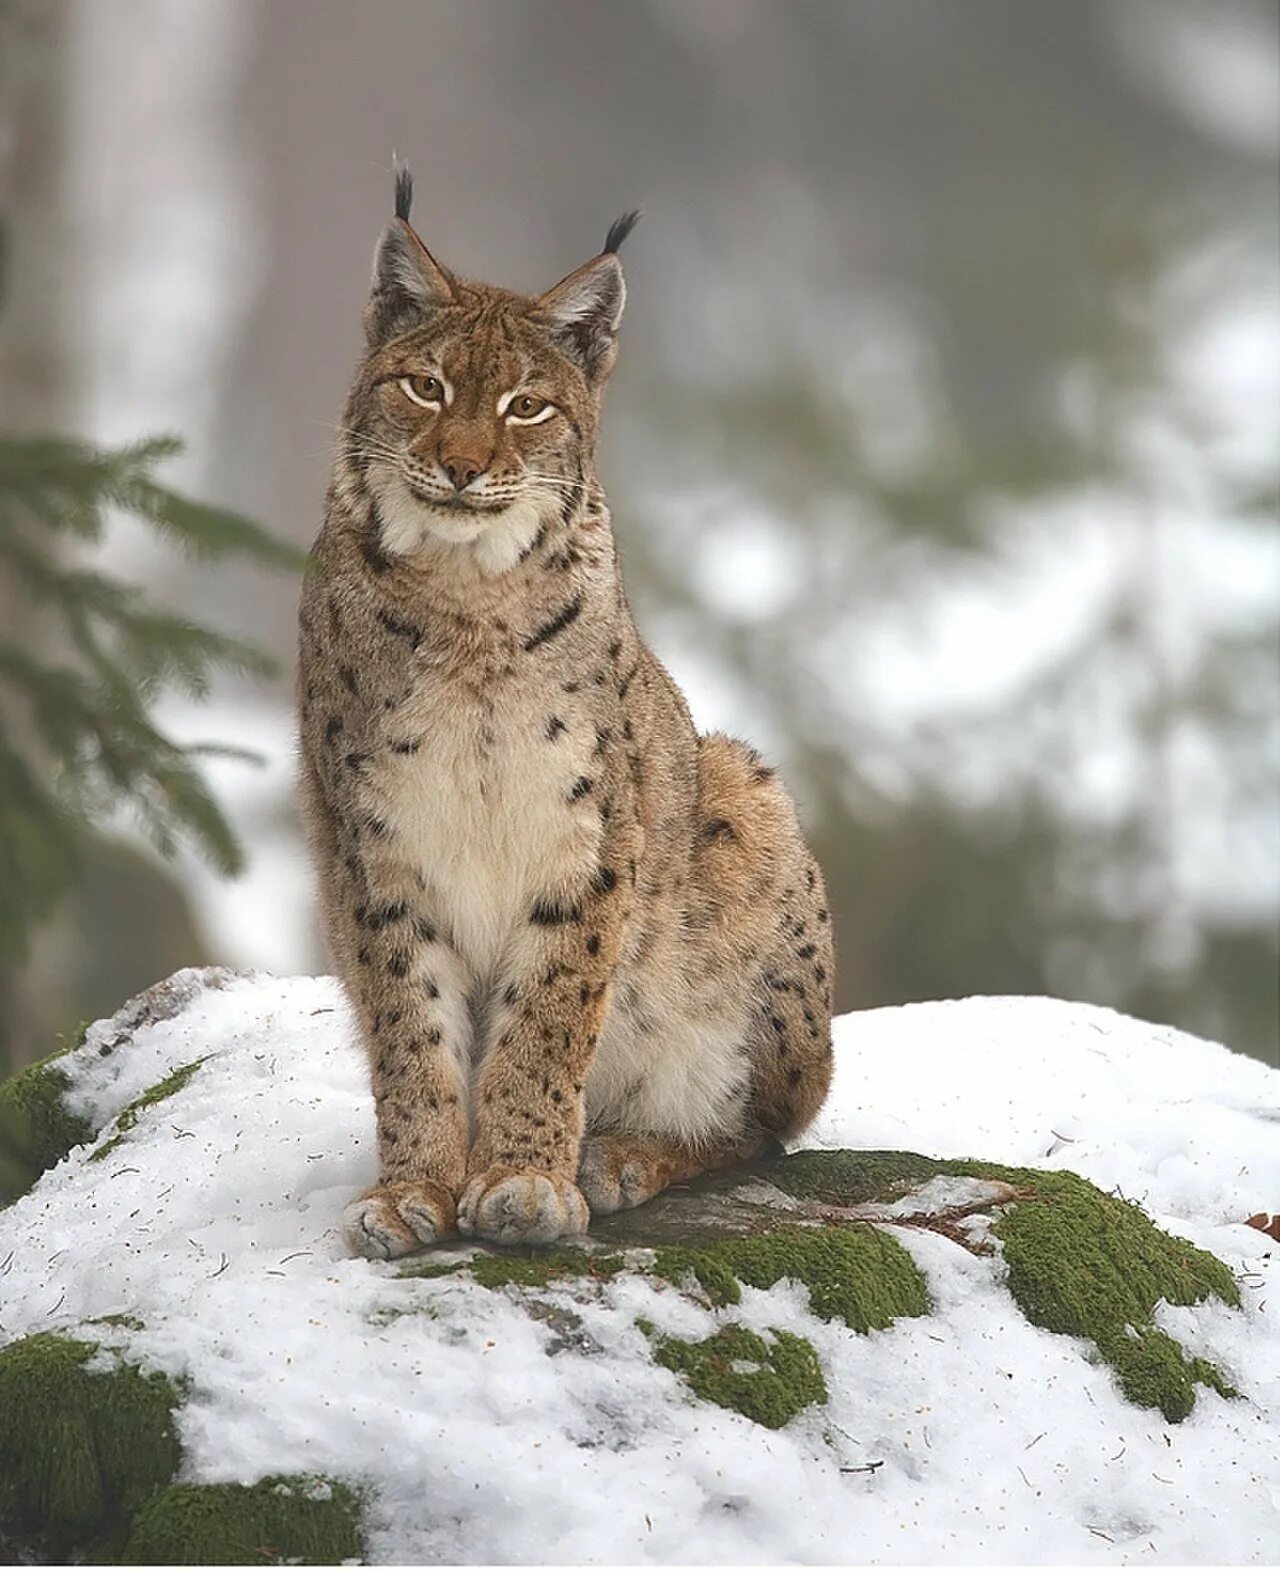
(510, 1269)
(293, 1521)
(128, 1117)
(769, 1382)
(37, 1129)
(853, 1178)
(79, 1450)
(1094, 1266)
(854, 1273)
(1079, 1262)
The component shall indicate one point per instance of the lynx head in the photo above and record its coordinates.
(474, 414)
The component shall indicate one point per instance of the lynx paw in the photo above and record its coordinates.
(511, 1207)
(613, 1175)
(393, 1219)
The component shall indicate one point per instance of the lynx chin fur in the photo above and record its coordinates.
(588, 950)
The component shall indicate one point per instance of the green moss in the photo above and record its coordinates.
(79, 1450)
(1094, 1266)
(1079, 1261)
(769, 1382)
(853, 1178)
(293, 1521)
(85, 1457)
(128, 1117)
(37, 1129)
(854, 1273)
(129, 1323)
(521, 1271)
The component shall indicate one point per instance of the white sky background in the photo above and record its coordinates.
(958, 648)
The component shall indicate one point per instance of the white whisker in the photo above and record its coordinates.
(558, 480)
(372, 445)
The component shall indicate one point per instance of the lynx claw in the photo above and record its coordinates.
(394, 1219)
(513, 1207)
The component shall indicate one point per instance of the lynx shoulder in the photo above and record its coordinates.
(587, 948)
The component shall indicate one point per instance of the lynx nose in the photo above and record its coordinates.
(461, 471)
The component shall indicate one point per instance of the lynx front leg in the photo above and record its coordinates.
(522, 1184)
(411, 987)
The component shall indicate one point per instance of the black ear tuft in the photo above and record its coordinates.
(408, 282)
(619, 230)
(404, 192)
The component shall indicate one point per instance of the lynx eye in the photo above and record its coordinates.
(529, 409)
(427, 391)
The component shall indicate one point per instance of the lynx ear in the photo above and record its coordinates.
(584, 309)
(408, 282)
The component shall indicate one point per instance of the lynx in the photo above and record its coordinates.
(587, 948)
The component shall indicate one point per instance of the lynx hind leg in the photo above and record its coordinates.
(791, 1049)
(766, 908)
(626, 1169)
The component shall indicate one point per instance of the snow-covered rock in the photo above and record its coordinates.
(835, 1358)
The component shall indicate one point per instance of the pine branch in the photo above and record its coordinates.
(38, 852)
(66, 484)
(86, 713)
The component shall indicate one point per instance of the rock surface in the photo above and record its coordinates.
(784, 1361)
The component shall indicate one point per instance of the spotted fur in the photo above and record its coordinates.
(588, 949)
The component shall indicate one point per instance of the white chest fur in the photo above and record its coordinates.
(485, 809)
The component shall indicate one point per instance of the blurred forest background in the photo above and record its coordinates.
(943, 447)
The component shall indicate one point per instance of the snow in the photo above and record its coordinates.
(215, 1222)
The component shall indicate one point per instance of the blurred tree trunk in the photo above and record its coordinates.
(36, 390)
(128, 921)
(35, 246)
